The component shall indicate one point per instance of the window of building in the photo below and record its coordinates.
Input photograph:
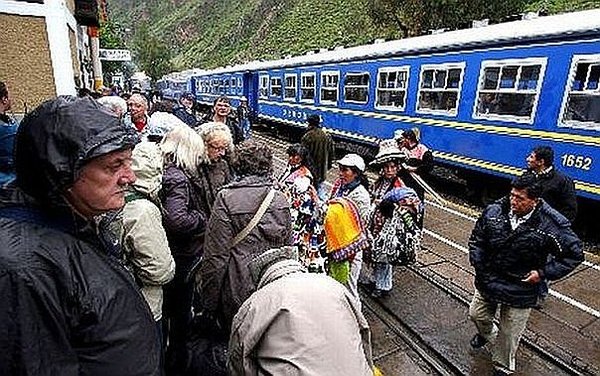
(392, 83)
(439, 88)
(263, 89)
(509, 89)
(276, 86)
(581, 104)
(356, 87)
(290, 87)
(329, 87)
(307, 87)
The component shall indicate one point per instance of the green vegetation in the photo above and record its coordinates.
(183, 34)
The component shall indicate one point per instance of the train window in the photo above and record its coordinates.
(239, 80)
(356, 87)
(329, 87)
(440, 88)
(276, 86)
(290, 87)
(391, 88)
(581, 106)
(307, 87)
(263, 89)
(233, 82)
(509, 89)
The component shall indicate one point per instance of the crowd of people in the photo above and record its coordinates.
(131, 229)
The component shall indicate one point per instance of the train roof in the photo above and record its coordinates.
(536, 29)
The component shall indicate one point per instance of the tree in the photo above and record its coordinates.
(416, 17)
(152, 55)
(109, 35)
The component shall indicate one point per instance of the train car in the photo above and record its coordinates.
(482, 98)
(213, 84)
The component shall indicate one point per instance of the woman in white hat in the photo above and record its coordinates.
(352, 184)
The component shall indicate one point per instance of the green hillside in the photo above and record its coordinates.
(211, 33)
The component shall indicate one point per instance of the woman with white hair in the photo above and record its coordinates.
(116, 104)
(214, 171)
(184, 221)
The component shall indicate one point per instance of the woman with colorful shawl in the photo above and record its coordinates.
(296, 182)
(396, 209)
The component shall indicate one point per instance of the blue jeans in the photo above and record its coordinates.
(382, 273)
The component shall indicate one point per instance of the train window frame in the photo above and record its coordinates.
(523, 62)
(240, 84)
(575, 61)
(440, 67)
(313, 87)
(271, 87)
(337, 87)
(397, 69)
(367, 87)
(263, 86)
(285, 87)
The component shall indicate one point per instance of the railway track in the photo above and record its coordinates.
(560, 362)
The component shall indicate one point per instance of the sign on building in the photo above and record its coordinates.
(115, 55)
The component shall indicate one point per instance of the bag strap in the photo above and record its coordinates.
(257, 217)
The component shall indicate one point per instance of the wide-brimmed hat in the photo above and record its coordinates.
(352, 160)
(410, 133)
(388, 151)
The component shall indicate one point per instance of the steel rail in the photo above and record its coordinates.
(427, 353)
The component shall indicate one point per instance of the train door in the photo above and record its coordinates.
(191, 85)
(251, 91)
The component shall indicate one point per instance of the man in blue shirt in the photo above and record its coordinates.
(8, 130)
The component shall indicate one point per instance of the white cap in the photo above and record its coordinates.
(352, 160)
(244, 99)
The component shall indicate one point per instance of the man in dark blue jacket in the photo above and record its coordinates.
(185, 111)
(518, 241)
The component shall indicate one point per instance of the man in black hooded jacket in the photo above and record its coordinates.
(69, 307)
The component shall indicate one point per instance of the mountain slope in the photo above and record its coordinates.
(211, 33)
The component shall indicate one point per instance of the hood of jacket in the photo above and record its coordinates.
(262, 267)
(58, 138)
(148, 168)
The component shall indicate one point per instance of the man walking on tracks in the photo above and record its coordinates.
(518, 241)
(322, 150)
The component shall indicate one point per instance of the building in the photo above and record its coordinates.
(48, 48)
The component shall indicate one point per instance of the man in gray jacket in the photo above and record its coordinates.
(298, 323)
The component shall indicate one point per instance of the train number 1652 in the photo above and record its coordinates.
(577, 161)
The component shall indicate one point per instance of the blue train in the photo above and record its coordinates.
(172, 86)
(482, 97)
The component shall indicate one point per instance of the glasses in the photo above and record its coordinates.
(218, 147)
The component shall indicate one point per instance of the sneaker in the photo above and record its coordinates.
(478, 341)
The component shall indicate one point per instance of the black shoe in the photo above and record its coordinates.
(501, 372)
(378, 293)
(540, 302)
(478, 341)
